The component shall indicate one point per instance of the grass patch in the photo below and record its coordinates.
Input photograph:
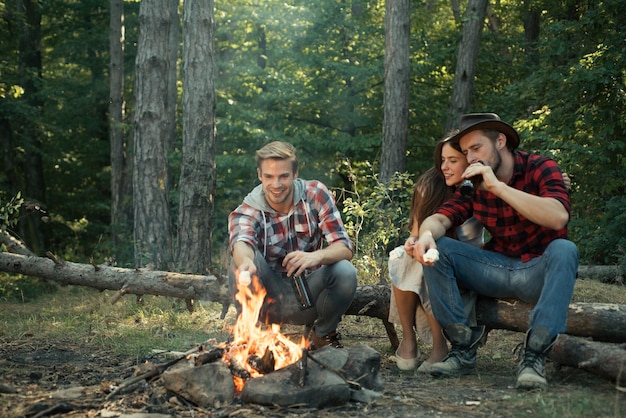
(127, 327)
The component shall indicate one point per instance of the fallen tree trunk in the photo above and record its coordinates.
(600, 321)
(603, 359)
(604, 274)
(126, 281)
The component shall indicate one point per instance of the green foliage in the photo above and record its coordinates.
(312, 73)
(18, 288)
(9, 210)
(376, 216)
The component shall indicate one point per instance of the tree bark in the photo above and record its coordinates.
(600, 321)
(152, 220)
(466, 61)
(120, 218)
(29, 129)
(396, 89)
(602, 359)
(605, 274)
(127, 281)
(197, 180)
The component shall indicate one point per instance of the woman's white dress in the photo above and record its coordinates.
(407, 274)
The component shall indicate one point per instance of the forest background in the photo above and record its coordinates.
(136, 190)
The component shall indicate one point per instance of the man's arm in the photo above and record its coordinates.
(243, 257)
(297, 262)
(544, 211)
(433, 228)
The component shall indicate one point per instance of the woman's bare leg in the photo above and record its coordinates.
(440, 345)
(407, 304)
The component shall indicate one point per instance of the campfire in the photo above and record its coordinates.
(261, 365)
(256, 349)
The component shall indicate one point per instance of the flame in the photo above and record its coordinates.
(250, 338)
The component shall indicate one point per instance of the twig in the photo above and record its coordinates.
(303, 367)
(154, 372)
(351, 383)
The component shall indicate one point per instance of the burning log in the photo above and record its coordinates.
(263, 364)
(209, 356)
(238, 370)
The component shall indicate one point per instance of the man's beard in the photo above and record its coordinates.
(497, 161)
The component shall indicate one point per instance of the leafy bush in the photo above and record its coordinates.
(376, 216)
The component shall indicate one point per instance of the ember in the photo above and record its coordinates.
(256, 350)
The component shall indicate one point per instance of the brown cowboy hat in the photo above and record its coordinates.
(474, 121)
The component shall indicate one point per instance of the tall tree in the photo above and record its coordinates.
(152, 220)
(197, 180)
(120, 174)
(463, 85)
(396, 90)
(29, 132)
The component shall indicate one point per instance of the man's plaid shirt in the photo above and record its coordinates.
(511, 233)
(313, 219)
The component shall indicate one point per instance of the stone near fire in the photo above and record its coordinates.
(326, 383)
(363, 365)
(207, 385)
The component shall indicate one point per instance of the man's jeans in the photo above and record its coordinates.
(546, 281)
(332, 289)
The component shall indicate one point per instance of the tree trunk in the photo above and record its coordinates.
(602, 359)
(600, 321)
(396, 89)
(30, 64)
(466, 62)
(120, 221)
(152, 220)
(127, 281)
(605, 274)
(197, 180)
(532, 16)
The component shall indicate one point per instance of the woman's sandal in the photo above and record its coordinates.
(405, 363)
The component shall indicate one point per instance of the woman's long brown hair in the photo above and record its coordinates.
(430, 190)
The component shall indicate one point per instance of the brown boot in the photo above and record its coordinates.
(331, 339)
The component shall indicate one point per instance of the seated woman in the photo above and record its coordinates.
(409, 298)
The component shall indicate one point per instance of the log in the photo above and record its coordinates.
(603, 359)
(605, 274)
(603, 322)
(126, 281)
(600, 321)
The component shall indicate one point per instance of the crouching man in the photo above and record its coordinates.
(291, 228)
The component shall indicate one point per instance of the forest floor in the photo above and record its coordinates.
(66, 377)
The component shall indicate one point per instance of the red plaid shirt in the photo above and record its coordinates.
(511, 233)
(313, 219)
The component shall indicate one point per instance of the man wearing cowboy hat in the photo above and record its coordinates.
(522, 201)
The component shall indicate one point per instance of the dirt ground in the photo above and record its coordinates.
(51, 378)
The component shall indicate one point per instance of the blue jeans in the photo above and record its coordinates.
(332, 289)
(546, 281)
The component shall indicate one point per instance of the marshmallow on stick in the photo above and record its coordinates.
(244, 278)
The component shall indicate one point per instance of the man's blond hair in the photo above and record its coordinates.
(280, 151)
